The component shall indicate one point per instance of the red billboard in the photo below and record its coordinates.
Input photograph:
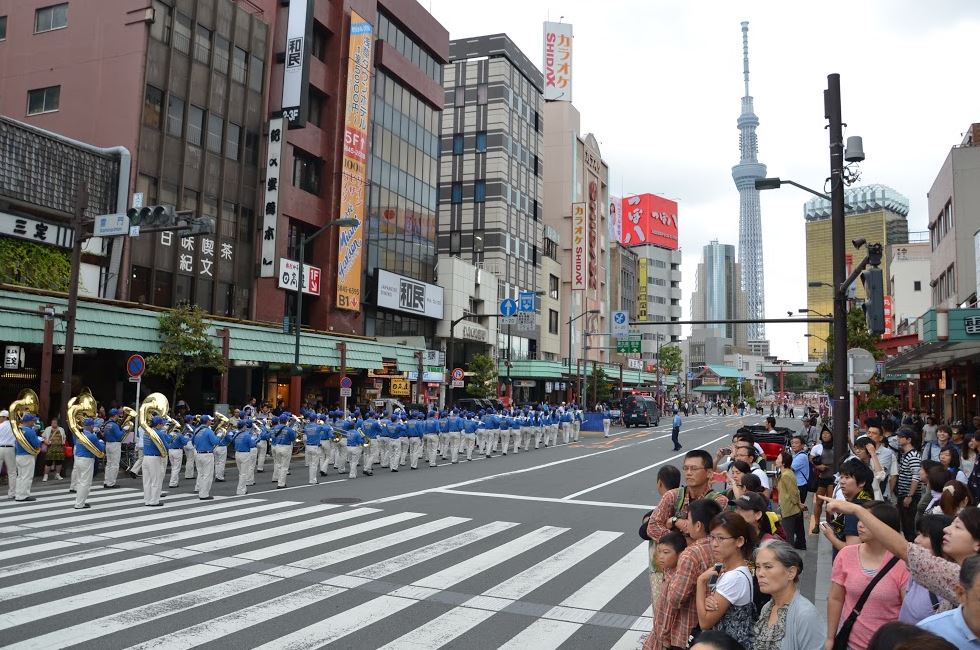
(649, 219)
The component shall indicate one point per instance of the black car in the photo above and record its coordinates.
(640, 410)
(779, 435)
(471, 404)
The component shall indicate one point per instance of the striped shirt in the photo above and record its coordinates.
(908, 471)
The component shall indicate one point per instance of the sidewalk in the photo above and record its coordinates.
(817, 567)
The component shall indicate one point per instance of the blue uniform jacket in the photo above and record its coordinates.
(432, 426)
(205, 441)
(113, 432)
(81, 451)
(32, 438)
(244, 442)
(312, 433)
(470, 426)
(178, 441)
(355, 438)
(150, 449)
(283, 435)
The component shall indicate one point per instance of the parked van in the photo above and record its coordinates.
(640, 410)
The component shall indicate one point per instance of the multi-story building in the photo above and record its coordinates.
(718, 294)
(954, 218)
(875, 213)
(490, 211)
(552, 323)
(908, 286)
(576, 200)
(663, 291)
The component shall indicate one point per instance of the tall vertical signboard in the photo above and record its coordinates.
(580, 247)
(641, 303)
(557, 62)
(352, 185)
(270, 207)
(615, 219)
(296, 74)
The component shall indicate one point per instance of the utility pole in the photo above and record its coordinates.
(78, 232)
(839, 398)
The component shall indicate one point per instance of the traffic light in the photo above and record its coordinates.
(874, 303)
(153, 216)
(200, 226)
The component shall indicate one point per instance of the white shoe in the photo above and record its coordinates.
(59, 477)
(45, 479)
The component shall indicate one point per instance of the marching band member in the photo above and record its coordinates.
(470, 428)
(312, 434)
(190, 466)
(526, 424)
(579, 417)
(371, 431)
(282, 450)
(113, 435)
(566, 425)
(384, 440)
(326, 442)
(7, 452)
(431, 438)
(256, 432)
(355, 446)
(221, 455)
(266, 424)
(25, 459)
(443, 420)
(153, 463)
(204, 443)
(85, 462)
(175, 451)
(245, 443)
(395, 432)
(415, 431)
(455, 436)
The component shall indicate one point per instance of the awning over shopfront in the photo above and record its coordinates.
(555, 370)
(126, 327)
(942, 344)
(711, 388)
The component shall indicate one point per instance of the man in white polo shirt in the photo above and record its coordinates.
(7, 452)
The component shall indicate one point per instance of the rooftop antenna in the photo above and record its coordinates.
(745, 54)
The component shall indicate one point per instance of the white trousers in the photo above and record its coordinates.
(340, 455)
(25, 476)
(137, 467)
(73, 483)
(384, 448)
(414, 451)
(280, 459)
(190, 466)
(176, 461)
(153, 467)
(313, 461)
(453, 441)
(403, 446)
(254, 455)
(325, 455)
(605, 427)
(113, 452)
(467, 445)
(246, 469)
(538, 431)
(431, 447)
(263, 447)
(566, 432)
(7, 460)
(220, 460)
(371, 456)
(205, 473)
(576, 429)
(353, 456)
(394, 453)
(86, 467)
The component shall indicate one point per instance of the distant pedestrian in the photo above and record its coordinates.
(675, 431)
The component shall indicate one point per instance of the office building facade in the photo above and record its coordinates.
(718, 294)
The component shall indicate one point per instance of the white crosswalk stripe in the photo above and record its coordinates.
(260, 567)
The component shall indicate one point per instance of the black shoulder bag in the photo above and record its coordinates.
(844, 633)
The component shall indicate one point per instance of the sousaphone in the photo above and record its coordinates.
(80, 407)
(26, 402)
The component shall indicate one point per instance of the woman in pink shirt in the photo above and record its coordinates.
(854, 568)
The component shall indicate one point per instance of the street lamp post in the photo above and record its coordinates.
(304, 239)
(571, 320)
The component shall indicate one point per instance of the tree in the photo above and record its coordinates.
(600, 387)
(671, 359)
(483, 377)
(184, 347)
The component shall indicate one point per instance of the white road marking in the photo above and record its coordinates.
(523, 497)
(244, 522)
(600, 590)
(542, 634)
(632, 640)
(81, 575)
(55, 498)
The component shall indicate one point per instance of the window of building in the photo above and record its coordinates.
(239, 64)
(552, 321)
(233, 134)
(255, 73)
(318, 46)
(307, 171)
(153, 107)
(455, 245)
(3, 28)
(916, 285)
(251, 148)
(162, 21)
(195, 124)
(175, 116)
(480, 192)
(460, 96)
(221, 46)
(139, 286)
(458, 144)
(182, 33)
(478, 237)
(214, 133)
(246, 223)
(481, 94)
(202, 44)
(553, 284)
(49, 18)
(457, 193)
(43, 100)
(481, 142)
(315, 104)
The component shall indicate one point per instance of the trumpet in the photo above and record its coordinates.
(26, 402)
(129, 419)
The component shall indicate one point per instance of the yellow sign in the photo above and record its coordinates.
(641, 303)
(354, 179)
(400, 387)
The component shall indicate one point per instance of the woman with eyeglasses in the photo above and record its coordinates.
(724, 598)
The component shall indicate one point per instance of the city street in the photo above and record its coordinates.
(536, 550)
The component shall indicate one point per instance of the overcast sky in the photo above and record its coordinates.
(659, 83)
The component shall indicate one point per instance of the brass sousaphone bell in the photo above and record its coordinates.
(154, 404)
(80, 407)
(26, 402)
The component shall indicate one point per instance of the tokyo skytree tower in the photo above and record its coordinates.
(750, 217)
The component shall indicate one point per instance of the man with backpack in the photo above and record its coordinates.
(671, 513)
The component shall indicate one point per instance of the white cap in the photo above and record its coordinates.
(4, 414)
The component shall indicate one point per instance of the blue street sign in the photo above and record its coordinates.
(345, 382)
(135, 365)
(527, 301)
(508, 307)
(619, 317)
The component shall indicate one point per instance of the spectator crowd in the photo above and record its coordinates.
(898, 514)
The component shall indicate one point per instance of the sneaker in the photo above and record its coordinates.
(59, 477)
(45, 479)
(26, 499)
(87, 505)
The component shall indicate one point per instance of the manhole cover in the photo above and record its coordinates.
(341, 500)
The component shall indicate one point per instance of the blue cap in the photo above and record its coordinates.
(205, 419)
(188, 418)
(88, 422)
(283, 419)
(113, 412)
(156, 421)
(28, 417)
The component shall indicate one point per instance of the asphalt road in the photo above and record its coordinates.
(535, 550)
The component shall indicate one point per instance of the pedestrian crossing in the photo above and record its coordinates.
(248, 572)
